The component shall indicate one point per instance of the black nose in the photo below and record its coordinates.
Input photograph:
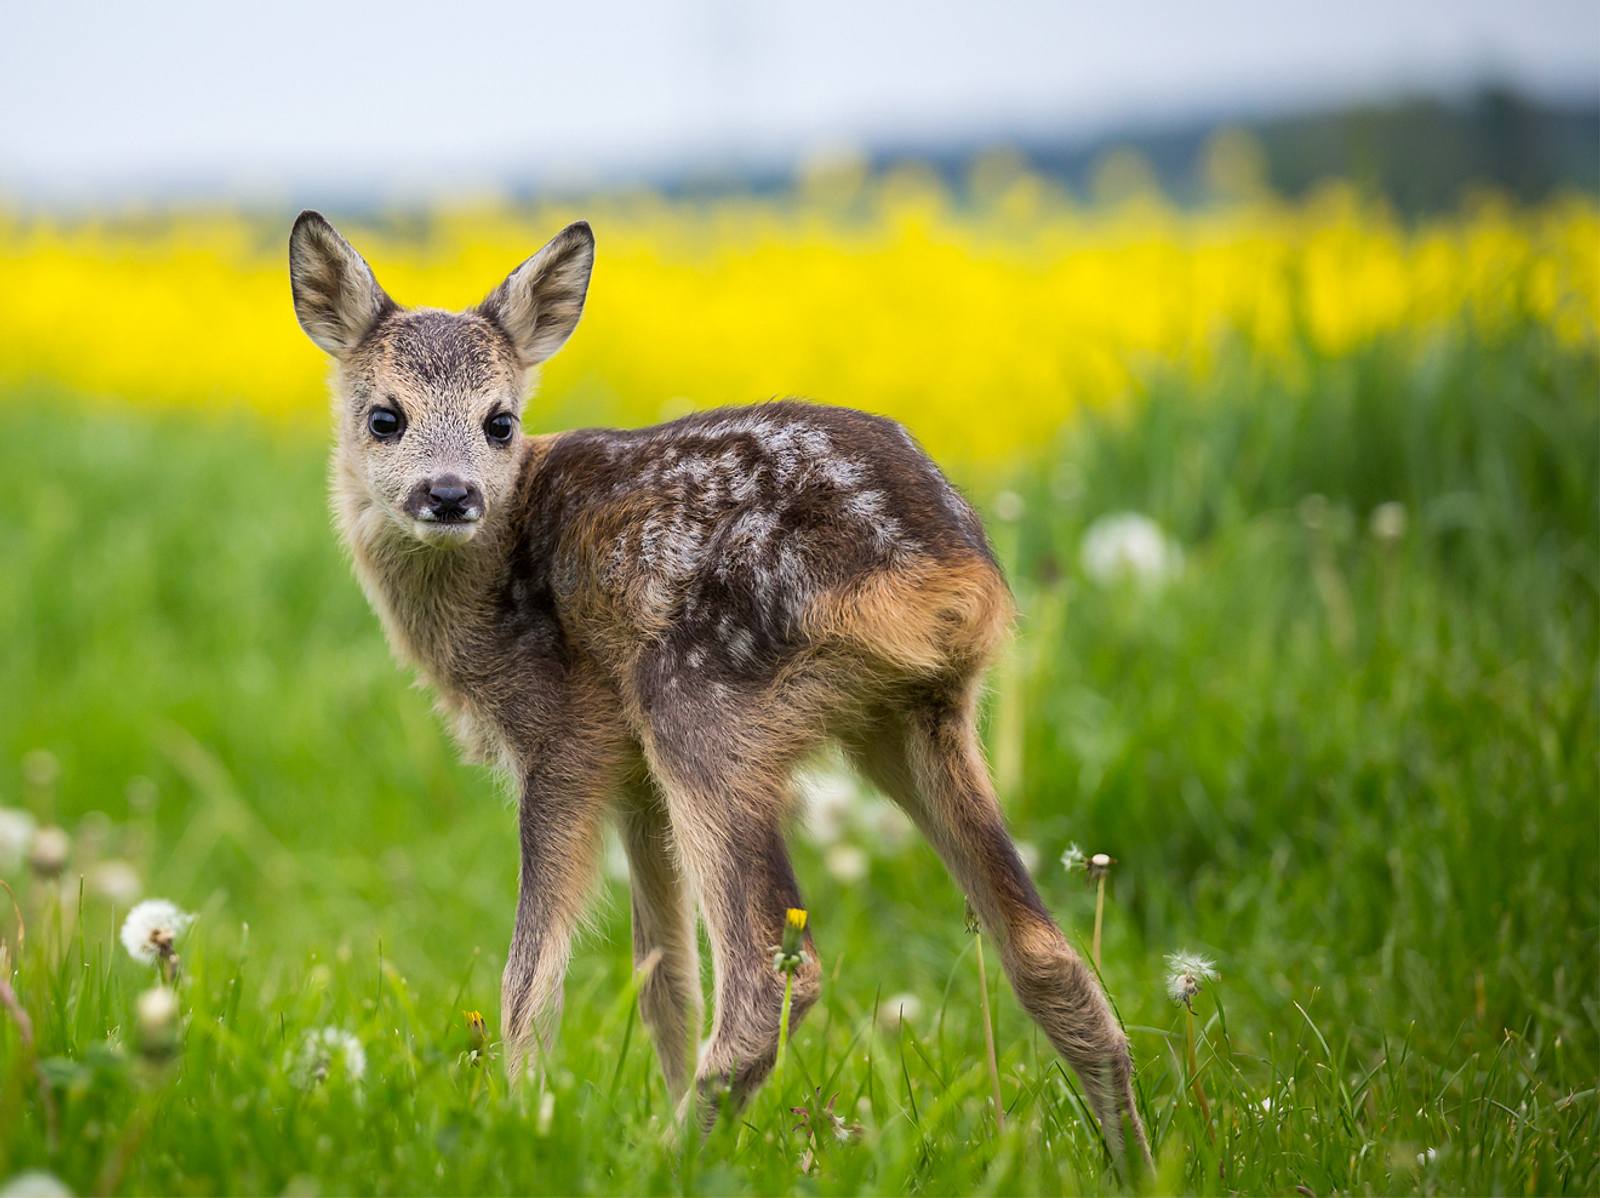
(447, 498)
(448, 491)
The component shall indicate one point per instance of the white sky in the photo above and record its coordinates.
(119, 98)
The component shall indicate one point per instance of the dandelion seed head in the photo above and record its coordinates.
(1389, 521)
(1073, 859)
(547, 1112)
(327, 1051)
(1008, 507)
(116, 881)
(17, 828)
(40, 769)
(1028, 853)
(1099, 865)
(846, 862)
(51, 847)
(1128, 545)
(899, 1009)
(1187, 974)
(831, 796)
(156, 1014)
(35, 1184)
(151, 929)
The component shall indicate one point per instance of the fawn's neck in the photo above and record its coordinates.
(437, 603)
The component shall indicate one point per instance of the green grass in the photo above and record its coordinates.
(1359, 774)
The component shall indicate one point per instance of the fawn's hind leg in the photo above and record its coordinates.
(927, 756)
(726, 813)
(663, 923)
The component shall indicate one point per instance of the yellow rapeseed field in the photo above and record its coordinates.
(983, 319)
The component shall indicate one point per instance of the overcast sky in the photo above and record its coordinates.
(119, 98)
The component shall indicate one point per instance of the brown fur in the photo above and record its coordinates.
(656, 626)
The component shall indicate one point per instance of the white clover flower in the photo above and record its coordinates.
(17, 828)
(846, 862)
(325, 1051)
(51, 847)
(898, 1010)
(35, 1184)
(1187, 973)
(152, 928)
(1127, 545)
(114, 880)
(1073, 859)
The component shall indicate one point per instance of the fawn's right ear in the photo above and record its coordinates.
(336, 298)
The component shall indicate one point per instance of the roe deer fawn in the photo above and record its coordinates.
(657, 625)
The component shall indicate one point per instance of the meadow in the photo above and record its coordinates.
(1333, 709)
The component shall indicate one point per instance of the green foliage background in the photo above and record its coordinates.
(1358, 773)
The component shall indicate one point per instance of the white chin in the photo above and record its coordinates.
(433, 532)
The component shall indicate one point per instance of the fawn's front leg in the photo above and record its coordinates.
(566, 787)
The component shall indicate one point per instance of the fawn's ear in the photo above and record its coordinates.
(539, 303)
(336, 298)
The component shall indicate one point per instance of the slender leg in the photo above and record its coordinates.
(663, 923)
(928, 758)
(727, 821)
(566, 791)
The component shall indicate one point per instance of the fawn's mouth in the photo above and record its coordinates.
(445, 530)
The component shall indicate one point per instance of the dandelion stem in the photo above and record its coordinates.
(783, 1024)
(988, 1037)
(1099, 917)
(1194, 1067)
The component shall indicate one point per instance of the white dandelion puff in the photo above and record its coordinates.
(1127, 545)
(898, 1010)
(1028, 852)
(547, 1113)
(40, 769)
(17, 829)
(51, 848)
(846, 862)
(1073, 859)
(831, 797)
(327, 1051)
(116, 881)
(152, 928)
(156, 1019)
(35, 1184)
(1388, 521)
(1187, 974)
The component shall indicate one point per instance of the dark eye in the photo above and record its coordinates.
(499, 427)
(385, 423)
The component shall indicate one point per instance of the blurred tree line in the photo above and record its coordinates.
(1422, 153)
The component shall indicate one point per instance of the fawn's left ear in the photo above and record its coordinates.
(539, 303)
(336, 298)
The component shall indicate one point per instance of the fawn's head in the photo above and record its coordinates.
(429, 403)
